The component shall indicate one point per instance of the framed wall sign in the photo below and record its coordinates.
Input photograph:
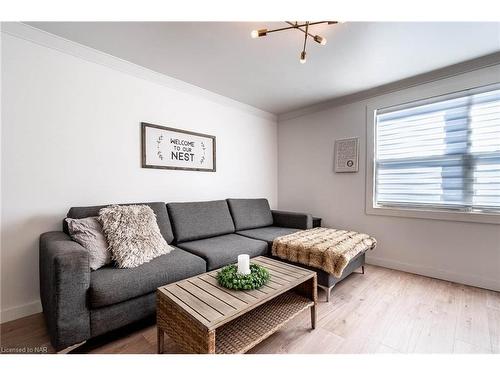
(169, 148)
(346, 155)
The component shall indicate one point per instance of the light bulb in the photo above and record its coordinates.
(303, 57)
(258, 33)
(319, 39)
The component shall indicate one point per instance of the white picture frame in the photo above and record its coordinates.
(346, 152)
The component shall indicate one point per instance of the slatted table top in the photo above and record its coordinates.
(213, 305)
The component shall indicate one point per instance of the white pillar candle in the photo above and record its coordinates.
(244, 264)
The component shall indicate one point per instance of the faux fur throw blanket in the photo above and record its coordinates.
(324, 248)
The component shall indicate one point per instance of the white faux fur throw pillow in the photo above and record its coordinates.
(133, 234)
(88, 233)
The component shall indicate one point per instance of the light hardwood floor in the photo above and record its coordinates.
(382, 311)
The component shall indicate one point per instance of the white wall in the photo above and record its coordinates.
(458, 251)
(70, 137)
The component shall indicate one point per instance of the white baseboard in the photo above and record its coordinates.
(17, 312)
(471, 280)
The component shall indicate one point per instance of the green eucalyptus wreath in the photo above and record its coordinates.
(229, 277)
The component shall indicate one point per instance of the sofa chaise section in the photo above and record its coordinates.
(79, 303)
(207, 229)
(253, 218)
(267, 234)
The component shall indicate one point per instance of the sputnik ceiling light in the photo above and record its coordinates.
(303, 27)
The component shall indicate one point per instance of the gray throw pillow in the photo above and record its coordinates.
(88, 233)
(133, 234)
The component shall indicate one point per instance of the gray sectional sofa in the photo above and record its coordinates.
(79, 304)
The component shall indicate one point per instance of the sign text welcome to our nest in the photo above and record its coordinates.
(169, 148)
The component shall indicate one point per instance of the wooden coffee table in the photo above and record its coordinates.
(203, 317)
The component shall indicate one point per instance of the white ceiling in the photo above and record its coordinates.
(266, 73)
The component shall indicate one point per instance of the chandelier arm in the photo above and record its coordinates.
(317, 38)
(280, 29)
(296, 24)
(305, 36)
(299, 28)
(315, 23)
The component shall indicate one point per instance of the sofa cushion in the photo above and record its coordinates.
(109, 285)
(158, 208)
(196, 220)
(222, 250)
(267, 234)
(250, 213)
(133, 234)
(88, 233)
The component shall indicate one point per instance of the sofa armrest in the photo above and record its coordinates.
(292, 219)
(64, 282)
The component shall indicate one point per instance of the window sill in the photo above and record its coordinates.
(473, 217)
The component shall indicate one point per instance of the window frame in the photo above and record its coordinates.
(471, 82)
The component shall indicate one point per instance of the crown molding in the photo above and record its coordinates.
(434, 75)
(45, 39)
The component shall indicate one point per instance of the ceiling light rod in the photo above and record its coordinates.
(303, 53)
(295, 25)
(317, 38)
(298, 27)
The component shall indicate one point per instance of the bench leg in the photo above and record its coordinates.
(362, 270)
(327, 290)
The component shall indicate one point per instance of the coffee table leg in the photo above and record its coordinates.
(314, 295)
(161, 340)
(211, 342)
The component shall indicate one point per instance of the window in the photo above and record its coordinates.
(440, 154)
